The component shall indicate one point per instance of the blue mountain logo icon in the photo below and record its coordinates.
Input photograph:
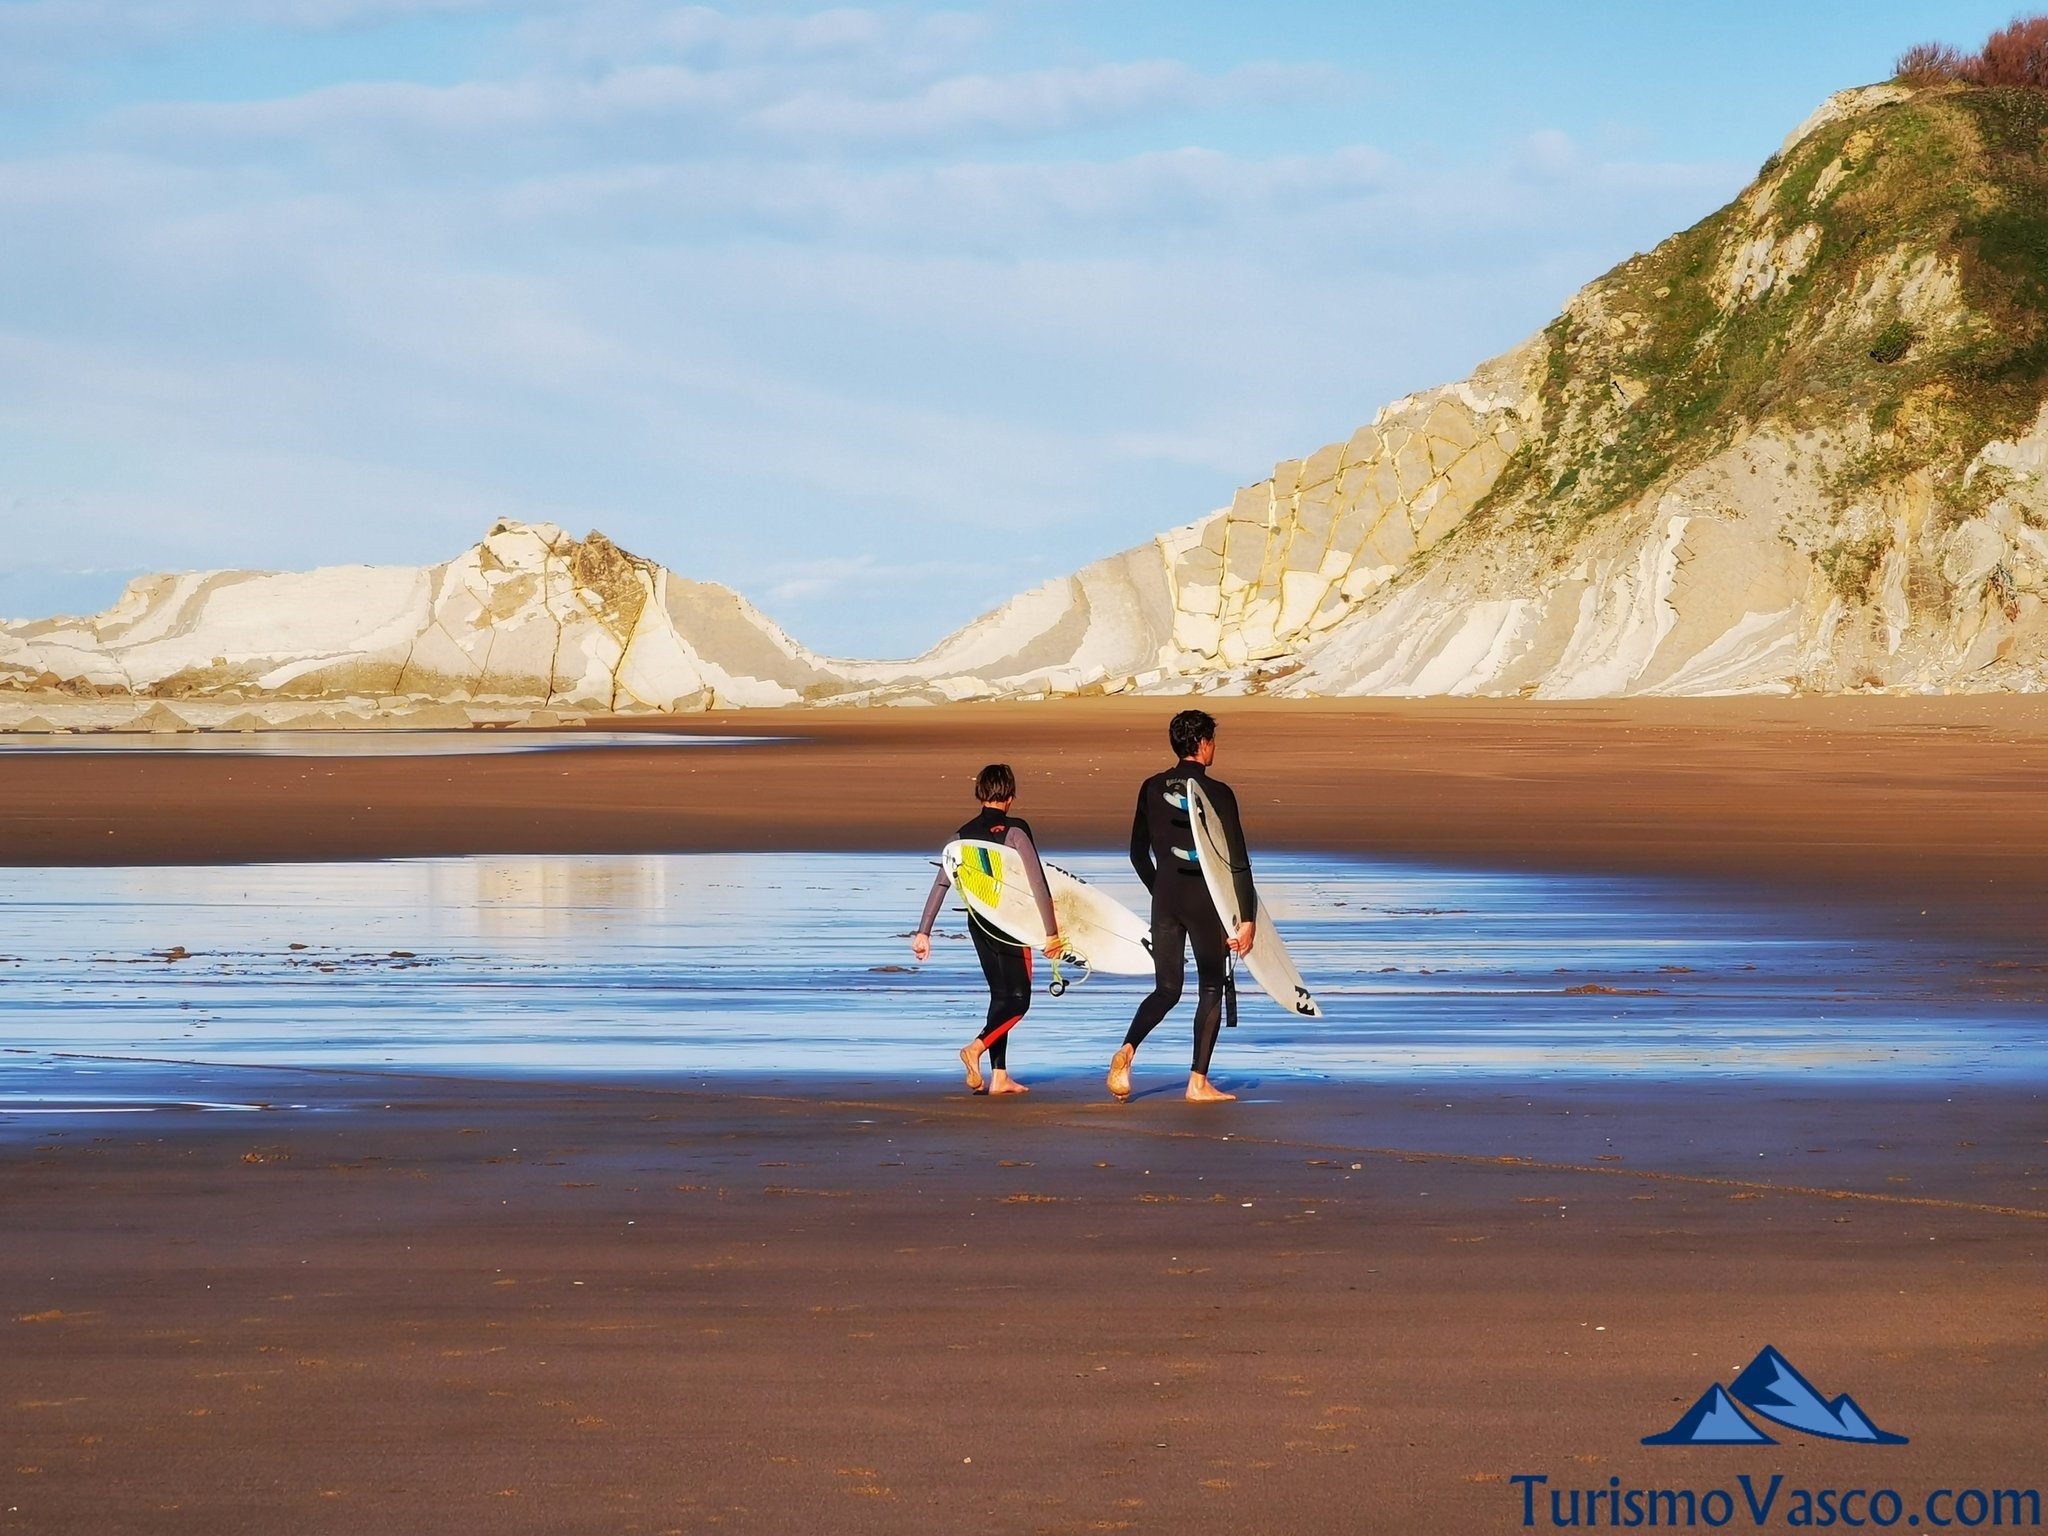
(1713, 1420)
(1772, 1389)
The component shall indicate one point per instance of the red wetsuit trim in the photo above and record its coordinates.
(1007, 1025)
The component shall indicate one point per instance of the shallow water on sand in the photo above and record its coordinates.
(689, 964)
(387, 742)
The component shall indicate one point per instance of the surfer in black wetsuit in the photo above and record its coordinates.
(1163, 853)
(1005, 962)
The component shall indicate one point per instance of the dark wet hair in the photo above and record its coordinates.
(1189, 729)
(995, 782)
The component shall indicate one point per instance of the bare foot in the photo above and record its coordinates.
(970, 1058)
(1120, 1070)
(1202, 1091)
(1004, 1083)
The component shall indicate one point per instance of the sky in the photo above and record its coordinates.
(879, 314)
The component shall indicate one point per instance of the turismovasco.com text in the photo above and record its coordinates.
(1750, 1506)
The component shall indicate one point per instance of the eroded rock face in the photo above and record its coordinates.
(1296, 555)
(1802, 445)
(1799, 447)
(1690, 594)
(1257, 581)
(528, 615)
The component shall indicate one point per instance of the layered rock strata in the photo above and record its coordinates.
(1802, 445)
(1255, 582)
(1798, 447)
(529, 615)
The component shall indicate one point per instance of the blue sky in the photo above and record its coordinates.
(879, 314)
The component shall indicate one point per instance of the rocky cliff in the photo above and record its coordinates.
(1225, 601)
(1799, 446)
(528, 616)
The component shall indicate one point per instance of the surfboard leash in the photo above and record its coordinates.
(1060, 982)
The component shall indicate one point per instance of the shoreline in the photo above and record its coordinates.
(1826, 790)
(763, 1301)
(1732, 1131)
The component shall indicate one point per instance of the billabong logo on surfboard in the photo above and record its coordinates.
(981, 877)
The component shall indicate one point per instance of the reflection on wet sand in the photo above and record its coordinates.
(360, 743)
(705, 963)
(543, 898)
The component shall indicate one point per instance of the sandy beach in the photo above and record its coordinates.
(785, 1305)
(1906, 792)
(525, 524)
(765, 1303)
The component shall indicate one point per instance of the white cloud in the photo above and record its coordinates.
(967, 107)
(1002, 207)
(111, 27)
(475, 111)
(807, 303)
(608, 33)
(1350, 208)
(747, 107)
(810, 578)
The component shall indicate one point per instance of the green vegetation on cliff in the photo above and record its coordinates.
(1884, 281)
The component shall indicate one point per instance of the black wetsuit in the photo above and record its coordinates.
(1163, 853)
(1005, 962)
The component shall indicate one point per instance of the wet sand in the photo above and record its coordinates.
(1936, 793)
(769, 1306)
(745, 963)
(785, 1306)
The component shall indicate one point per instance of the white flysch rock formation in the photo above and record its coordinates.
(1802, 446)
(531, 615)
(528, 616)
(1717, 585)
(1286, 562)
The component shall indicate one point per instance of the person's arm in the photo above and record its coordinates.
(1041, 890)
(1224, 800)
(1141, 845)
(921, 941)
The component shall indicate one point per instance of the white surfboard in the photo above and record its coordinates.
(1272, 967)
(1105, 933)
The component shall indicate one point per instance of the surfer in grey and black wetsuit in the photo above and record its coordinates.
(1183, 915)
(1005, 962)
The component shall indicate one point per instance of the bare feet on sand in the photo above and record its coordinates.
(1201, 1091)
(1120, 1070)
(970, 1058)
(1004, 1083)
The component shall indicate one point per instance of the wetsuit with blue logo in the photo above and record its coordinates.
(1183, 915)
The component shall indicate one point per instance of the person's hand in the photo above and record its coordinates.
(921, 945)
(1055, 947)
(1242, 943)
